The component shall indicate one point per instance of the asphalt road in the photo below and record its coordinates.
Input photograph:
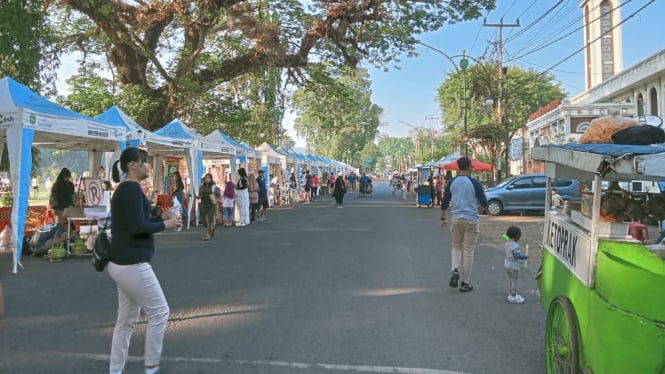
(313, 289)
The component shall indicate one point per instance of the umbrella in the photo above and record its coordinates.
(477, 165)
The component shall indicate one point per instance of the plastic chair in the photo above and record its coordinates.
(638, 231)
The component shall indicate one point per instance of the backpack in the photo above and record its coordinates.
(43, 237)
(639, 135)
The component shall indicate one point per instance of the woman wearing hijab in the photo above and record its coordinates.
(228, 201)
(209, 194)
(242, 198)
(339, 189)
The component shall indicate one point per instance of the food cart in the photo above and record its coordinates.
(423, 188)
(602, 283)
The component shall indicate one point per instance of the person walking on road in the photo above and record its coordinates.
(263, 197)
(394, 184)
(308, 186)
(315, 188)
(209, 194)
(242, 198)
(339, 190)
(228, 202)
(511, 262)
(179, 193)
(253, 192)
(466, 193)
(132, 249)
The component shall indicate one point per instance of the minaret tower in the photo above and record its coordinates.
(603, 57)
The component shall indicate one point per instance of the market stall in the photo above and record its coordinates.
(215, 153)
(29, 120)
(601, 279)
(276, 162)
(246, 156)
(164, 150)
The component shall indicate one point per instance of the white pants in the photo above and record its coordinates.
(138, 288)
(242, 202)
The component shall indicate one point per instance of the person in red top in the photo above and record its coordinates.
(314, 189)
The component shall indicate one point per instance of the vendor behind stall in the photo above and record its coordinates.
(62, 194)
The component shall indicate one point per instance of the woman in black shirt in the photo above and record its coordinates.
(62, 193)
(132, 249)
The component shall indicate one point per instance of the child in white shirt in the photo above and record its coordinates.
(511, 262)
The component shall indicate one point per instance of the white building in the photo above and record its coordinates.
(635, 92)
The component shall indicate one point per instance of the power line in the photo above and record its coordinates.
(527, 27)
(549, 27)
(598, 38)
(568, 34)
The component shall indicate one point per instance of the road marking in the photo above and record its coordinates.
(294, 365)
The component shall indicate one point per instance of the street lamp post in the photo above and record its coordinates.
(463, 64)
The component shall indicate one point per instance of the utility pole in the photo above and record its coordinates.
(501, 25)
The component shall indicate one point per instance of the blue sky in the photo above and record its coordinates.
(409, 94)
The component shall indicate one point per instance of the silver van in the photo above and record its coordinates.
(526, 192)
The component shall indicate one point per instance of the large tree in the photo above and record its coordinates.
(27, 52)
(337, 117)
(475, 121)
(177, 51)
(397, 153)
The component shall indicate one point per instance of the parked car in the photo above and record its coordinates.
(527, 193)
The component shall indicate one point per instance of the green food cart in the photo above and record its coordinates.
(602, 283)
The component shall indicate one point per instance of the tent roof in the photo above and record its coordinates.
(278, 152)
(177, 129)
(477, 165)
(155, 142)
(241, 148)
(55, 126)
(293, 153)
(450, 158)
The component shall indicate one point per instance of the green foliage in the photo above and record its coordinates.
(177, 54)
(27, 53)
(396, 153)
(7, 199)
(335, 113)
(53, 160)
(4, 161)
(462, 97)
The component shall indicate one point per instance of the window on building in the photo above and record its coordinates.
(582, 127)
(653, 101)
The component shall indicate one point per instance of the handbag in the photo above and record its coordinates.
(254, 197)
(101, 251)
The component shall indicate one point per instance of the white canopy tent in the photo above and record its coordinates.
(157, 145)
(243, 151)
(29, 120)
(203, 149)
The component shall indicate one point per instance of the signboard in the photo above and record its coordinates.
(94, 194)
(569, 245)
